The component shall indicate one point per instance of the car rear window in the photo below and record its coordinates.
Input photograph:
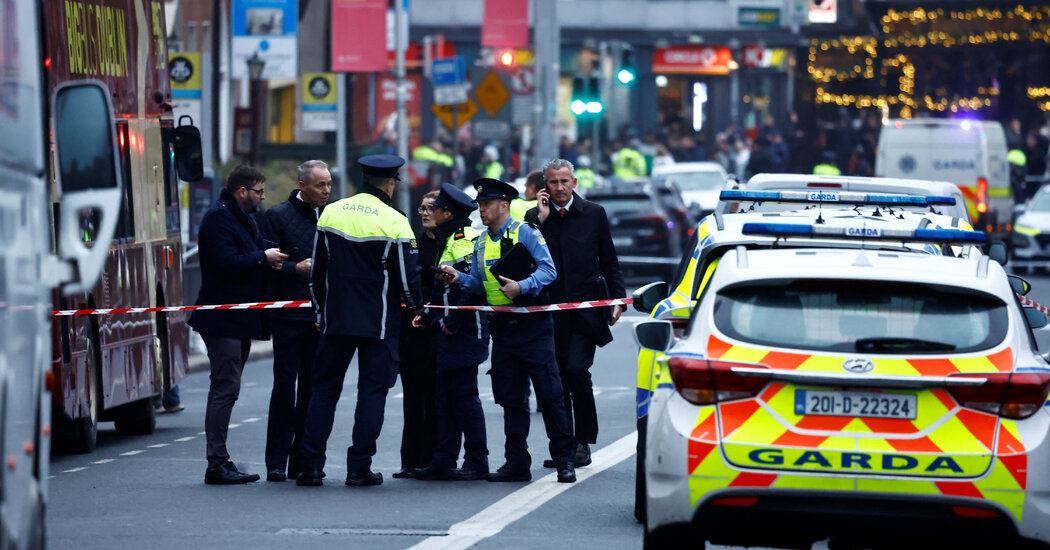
(697, 181)
(624, 205)
(855, 317)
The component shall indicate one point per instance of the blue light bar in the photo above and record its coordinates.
(822, 197)
(864, 232)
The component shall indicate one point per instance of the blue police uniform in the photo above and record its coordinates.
(522, 346)
(364, 266)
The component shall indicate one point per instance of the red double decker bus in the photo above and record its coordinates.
(111, 367)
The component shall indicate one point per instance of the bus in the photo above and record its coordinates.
(112, 367)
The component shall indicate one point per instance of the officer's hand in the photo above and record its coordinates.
(303, 267)
(511, 289)
(543, 204)
(317, 326)
(275, 257)
(616, 312)
(448, 275)
(446, 330)
(417, 322)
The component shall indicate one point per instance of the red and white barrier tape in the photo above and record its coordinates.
(1028, 302)
(307, 303)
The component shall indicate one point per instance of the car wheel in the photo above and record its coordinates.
(85, 428)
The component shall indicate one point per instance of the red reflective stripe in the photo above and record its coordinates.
(771, 392)
(753, 479)
(1008, 444)
(782, 360)
(734, 414)
(1017, 465)
(891, 425)
(1004, 360)
(933, 367)
(792, 439)
(945, 398)
(921, 445)
(958, 489)
(716, 348)
(981, 425)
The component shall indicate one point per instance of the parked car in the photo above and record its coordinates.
(647, 238)
(1031, 234)
(699, 182)
(669, 195)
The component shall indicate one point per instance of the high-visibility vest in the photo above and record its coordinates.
(493, 170)
(489, 252)
(585, 177)
(459, 246)
(825, 169)
(1016, 157)
(629, 163)
(519, 206)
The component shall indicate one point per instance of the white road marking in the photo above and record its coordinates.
(104, 461)
(232, 426)
(495, 518)
(250, 420)
(158, 445)
(202, 433)
(399, 395)
(72, 470)
(187, 438)
(132, 453)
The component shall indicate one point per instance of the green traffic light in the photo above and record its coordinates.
(625, 76)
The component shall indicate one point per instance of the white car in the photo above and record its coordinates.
(699, 182)
(1031, 233)
(864, 396)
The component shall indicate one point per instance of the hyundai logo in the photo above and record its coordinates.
(859, 366)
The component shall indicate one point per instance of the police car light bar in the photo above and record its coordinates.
(863, 232)
(815, 197)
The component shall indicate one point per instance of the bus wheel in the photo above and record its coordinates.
(136, 418)
(85, 428)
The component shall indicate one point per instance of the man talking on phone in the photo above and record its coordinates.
(291, 226)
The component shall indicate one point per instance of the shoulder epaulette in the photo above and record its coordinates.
(459, 234)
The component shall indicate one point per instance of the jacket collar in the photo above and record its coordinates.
(301, 204)
(449, 228)
(377, 193)
(229, 202)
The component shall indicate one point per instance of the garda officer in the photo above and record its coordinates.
(364, 266)
(461, 343)
(628, 163)
(490, 166)
(522, 344)
(533, 184)
(584, 173)
(828, 167)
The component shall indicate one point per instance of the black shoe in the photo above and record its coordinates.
(361, 480)
(310, 477)
(468, 474)
(276, 474)
(227, 474)
(505, 473)
(567, 474)
(431, 473)
(549, 463)
(405, 473)
(583, 455)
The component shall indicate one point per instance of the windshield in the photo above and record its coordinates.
(878, 317)
(697, 181)
(1040, 203)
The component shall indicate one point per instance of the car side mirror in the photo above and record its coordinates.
(189, 160)
(645, 298)
(654, 335)
(996, 251)
(1034, 318)
(89, 180)
(1019, 285)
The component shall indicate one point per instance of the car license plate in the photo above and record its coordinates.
(622, 241)
(850, 403)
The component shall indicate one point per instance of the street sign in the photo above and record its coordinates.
(523, 81)
(451, 95)
(448, 72)
(320, 93)
(445, 113)
(491, 93)
(268, 28)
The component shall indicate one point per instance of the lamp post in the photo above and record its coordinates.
(256, 65)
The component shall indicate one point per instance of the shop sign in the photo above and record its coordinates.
(758, 18)
(758, 57)
(823, 11)
(692, 60)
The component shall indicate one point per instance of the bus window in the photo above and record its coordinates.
(126, 222)
(171, 181)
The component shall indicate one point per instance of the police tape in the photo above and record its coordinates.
(1028, 302)
(307, 303)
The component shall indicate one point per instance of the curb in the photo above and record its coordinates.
(261, 349)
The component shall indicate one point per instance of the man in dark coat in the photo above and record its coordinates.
(577, 233)
(234, 269)
(291, 226)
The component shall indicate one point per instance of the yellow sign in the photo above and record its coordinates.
(445, 113)
(319, 89)
(491, 94)
(184, 70)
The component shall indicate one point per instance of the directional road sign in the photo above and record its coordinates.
(491, 93)
(445, 113)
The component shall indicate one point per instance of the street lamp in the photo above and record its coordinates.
(255, 71)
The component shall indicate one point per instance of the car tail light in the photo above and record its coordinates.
(660, 222)
(982, 195)
(825, 185)
(705, 382)
(1010, 395)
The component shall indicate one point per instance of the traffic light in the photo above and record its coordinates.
(506, 58)
(594, 97)
(627, 72)
(579, 95)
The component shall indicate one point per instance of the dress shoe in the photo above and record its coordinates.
(310, 477)
(227, 474)
(276, 474)
(431, 473)
(406, 473)
(506, 473)
(567, 474)
(361, 480)
(549, 463)
(468, 474)
(583, 455)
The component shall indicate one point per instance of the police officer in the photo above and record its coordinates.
(522, 344)
(461, 343)
(364, 266)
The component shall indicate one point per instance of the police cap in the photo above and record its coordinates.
(381, 166)
(489, 188)
(455, 201)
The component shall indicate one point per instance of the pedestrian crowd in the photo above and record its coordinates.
(373, 283)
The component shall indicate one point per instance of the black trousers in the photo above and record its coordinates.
(227, 357)
(575, 353)
(417, 380)
(460, 418)
(294, 347)
(523, 349)
(377, 372)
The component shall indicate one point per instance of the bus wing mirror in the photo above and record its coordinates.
(189, 160)
(89, 180)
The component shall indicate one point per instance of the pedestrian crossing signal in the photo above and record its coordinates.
(586, 95)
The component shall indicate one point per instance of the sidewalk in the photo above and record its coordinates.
(261, 349)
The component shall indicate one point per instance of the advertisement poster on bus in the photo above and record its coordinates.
(268, 28)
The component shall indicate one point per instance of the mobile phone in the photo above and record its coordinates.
(432, 270)
(293, 251)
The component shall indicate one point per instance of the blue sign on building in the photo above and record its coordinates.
(448, 72)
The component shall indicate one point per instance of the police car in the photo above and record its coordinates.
(1031, 233)
(870, 396)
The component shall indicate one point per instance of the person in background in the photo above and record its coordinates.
(584, 173)
(490, 167)
(291, 226)
(521, 205)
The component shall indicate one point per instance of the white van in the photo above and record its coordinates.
(968, 153)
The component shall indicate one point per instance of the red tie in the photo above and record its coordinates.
(561, 211)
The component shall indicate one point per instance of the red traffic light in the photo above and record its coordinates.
(506, 58)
